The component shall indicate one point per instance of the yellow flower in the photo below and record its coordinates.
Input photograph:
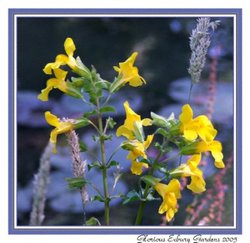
(133, 131)
(58, 82)
(138, 149)
(63, 59)
(215, 148)
(197, 184)
(127, 74)
(200, 126)
(129, 128)
(169, 193)
(60, 127)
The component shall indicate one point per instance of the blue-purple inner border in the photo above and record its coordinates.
(150, 229)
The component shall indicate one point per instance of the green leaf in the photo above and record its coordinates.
(116, 84)
(161, 121)
(131, 197)
(76, 182)
(157, 145)
(92, 222)
(98, 198)
(73, 91)
(111, 123)
(119, 195)
(83, 146)
(95, 164)
(189, 149)
(102, 84)
(162, 168)
(147, 161)
(128, 145)
(95, 138)
(107, 137)
(150, 180)
(107, 109)
(117, 177)
(139, 133)
(112, 163)
(89, 113)
(163, 148)
(81, 122)
(85, 72)
(175, 128)
(163, 132)
(88, 86)
(77, 82)
(150, 197)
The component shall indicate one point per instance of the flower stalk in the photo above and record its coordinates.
(41, 181)
(78, 166)
(104, 166)
(140, 211)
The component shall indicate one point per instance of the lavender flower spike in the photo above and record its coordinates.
(41, 181)
(78, 165)
(199, 43)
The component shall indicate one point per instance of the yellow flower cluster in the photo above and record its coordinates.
(197, 134)
(59, 81)
(201, 127)
(63, 59)
(132, 130)
(198, 131)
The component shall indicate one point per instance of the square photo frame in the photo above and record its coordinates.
(157, 34)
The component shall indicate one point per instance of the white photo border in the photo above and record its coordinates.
(237, 16)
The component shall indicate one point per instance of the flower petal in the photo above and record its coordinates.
(69, 46)
(117, 69)
(194, 160)
(61, 60)
(219, 164)
(132, 58)
(124, 131)
(174, 186)
(136, 167)
(60, 74)
(207, 134)
(197, 184)
(44, 95)
(52, 119)
(170, 214)
(48, 68)
(190, 135)
(186, 115)
(65, 127)
(163, 207)
(147, 122)
(53, 136)
(161, 189)
(148, 141)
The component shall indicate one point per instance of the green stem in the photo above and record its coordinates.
(104, 167)
(142, 203)
(171, 158)
(107, 100)
(190, 91)
(113, 154)
(140, 213)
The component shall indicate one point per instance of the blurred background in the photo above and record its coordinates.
(163, 60)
